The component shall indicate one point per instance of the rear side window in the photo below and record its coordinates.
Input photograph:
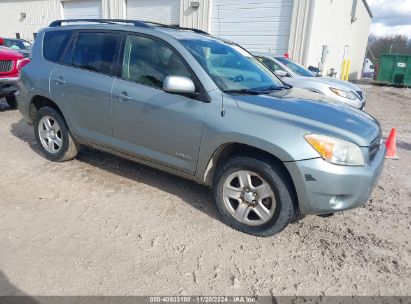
(55, 43)
(95, 51)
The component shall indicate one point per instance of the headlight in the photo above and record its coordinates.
(343, 93)
(335, 150)
(22, 62)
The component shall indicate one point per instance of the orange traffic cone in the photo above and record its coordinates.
(391, 145)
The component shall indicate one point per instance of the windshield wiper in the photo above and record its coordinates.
(243, 91)
(258, 91)
(275, 88)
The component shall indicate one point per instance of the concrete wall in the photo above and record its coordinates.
(331, 25)
(314, 23)
(39, 13)
(114, 9)
(199, 18)
(300, 30)
(359, 40)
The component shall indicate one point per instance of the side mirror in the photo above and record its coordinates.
(179, 85)
(280, 73)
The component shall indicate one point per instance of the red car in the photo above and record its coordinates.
(11, 62)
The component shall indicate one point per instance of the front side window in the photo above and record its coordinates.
(149, 61)
(295, 67)
(231, 67)
(95, 51)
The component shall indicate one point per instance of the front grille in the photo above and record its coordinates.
(6, 65)
(360, 94)
(374, 147)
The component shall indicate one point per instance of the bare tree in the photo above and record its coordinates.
(396, 44)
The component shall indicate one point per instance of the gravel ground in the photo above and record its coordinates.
(101, 225)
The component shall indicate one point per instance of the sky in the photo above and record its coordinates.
(391, 17)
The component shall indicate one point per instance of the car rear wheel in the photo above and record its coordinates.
(53, 135)
(253, 196)
(11, 101)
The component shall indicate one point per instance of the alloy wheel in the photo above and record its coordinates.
(249, 198)
(50, 134)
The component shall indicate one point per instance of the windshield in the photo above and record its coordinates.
(295, 67)
(231, 67)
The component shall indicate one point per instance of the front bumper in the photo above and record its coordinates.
(357, 103)
(326, 188)
(9, 80)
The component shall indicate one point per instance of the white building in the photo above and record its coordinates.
(319, 33)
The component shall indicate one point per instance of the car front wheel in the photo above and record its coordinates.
(254, 196)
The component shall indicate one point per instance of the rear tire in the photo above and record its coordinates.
(254, 196)
(53, 135)
(11, 101)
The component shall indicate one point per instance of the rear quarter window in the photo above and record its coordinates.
(55, 43)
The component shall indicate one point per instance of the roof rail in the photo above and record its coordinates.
(145, 24)
(107, 21)
(176, 27)
(189, 29)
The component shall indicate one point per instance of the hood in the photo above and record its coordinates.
(333, 82)
(315, 113)
(8, 54)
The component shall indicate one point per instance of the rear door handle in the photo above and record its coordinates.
(59, 80)
(123, 96)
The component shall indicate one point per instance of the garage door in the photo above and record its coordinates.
(258, 25)
(80, 9)
(162, 11)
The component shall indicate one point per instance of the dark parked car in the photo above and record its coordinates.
(20, 45)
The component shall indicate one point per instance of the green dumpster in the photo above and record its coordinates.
(395, 69)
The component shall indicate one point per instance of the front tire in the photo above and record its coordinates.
(53, 135)
(254, 196)
(11, 101)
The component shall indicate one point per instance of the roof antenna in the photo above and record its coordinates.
(221, 66)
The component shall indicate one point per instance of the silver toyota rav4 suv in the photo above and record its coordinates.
(203, 108)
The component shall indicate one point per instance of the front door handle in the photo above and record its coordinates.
(59, 80)
(123, 96)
